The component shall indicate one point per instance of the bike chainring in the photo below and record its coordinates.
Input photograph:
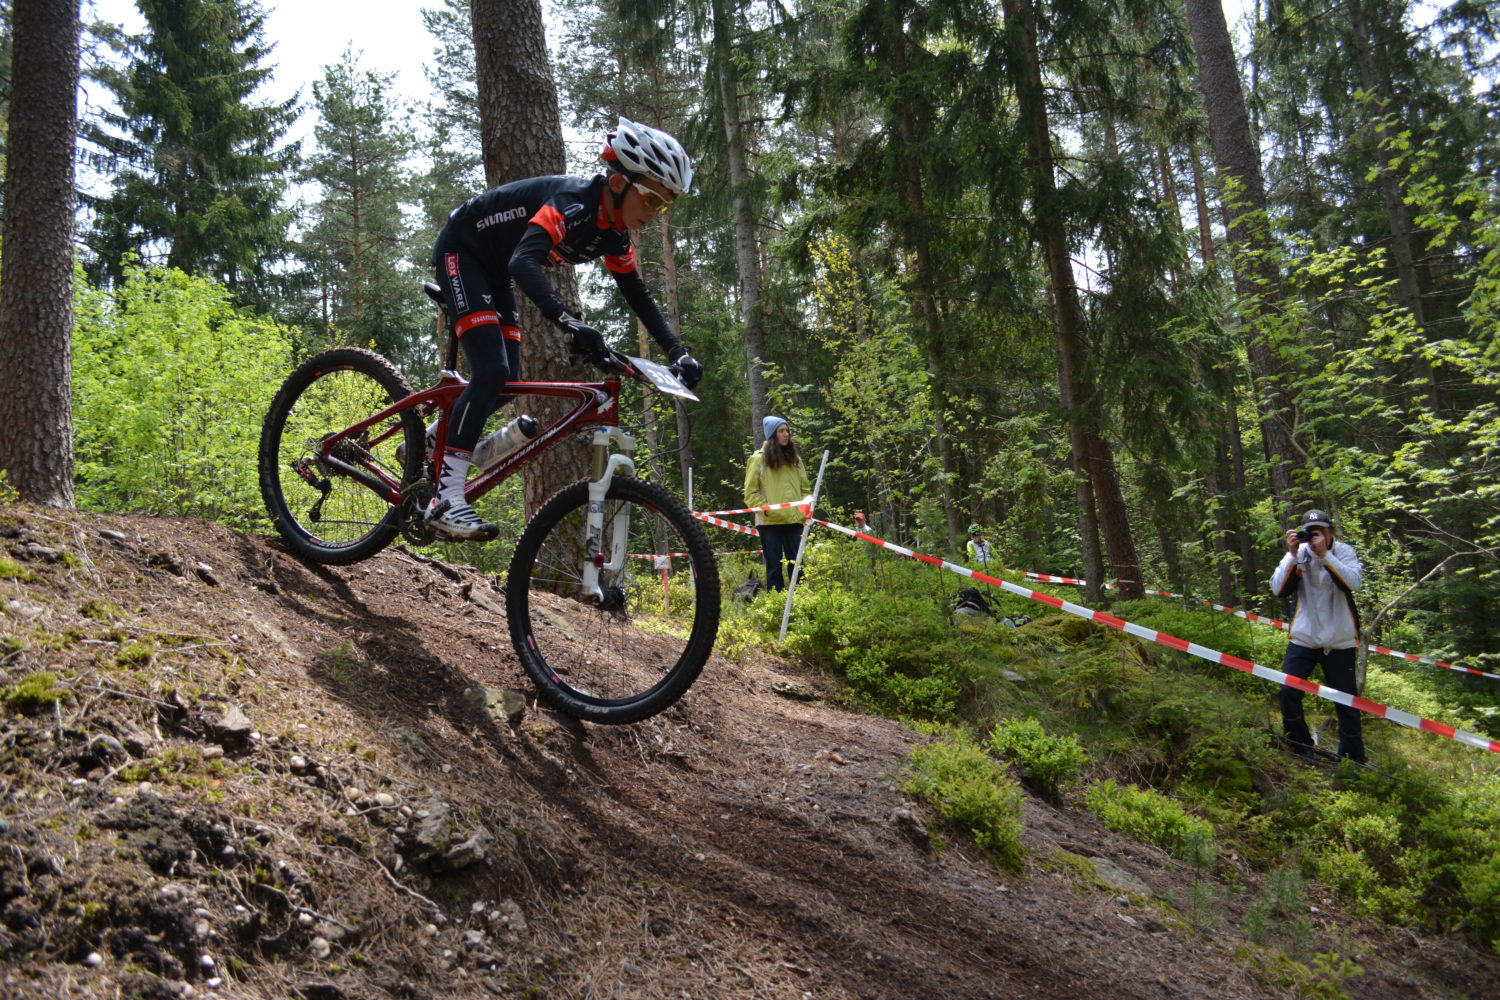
(414, 501)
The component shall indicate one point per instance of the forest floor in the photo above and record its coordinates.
(252, 777)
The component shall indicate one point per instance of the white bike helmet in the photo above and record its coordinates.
(641, 149)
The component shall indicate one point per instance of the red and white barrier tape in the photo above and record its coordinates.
(755, 510)
(730, 525)
(1262, 619)
(684, 555)
(1192, 648)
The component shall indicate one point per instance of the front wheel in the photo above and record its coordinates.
(632, 650)
(334, 511)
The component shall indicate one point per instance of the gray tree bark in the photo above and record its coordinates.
(521, 136)
(36, 284)
(746, 251)
(1257, 280)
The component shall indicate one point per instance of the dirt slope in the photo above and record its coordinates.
(269, 779)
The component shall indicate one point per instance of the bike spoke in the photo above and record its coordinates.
(333, 504)
(634, 648)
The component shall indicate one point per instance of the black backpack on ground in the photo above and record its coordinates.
(747, 590)
(971, 601)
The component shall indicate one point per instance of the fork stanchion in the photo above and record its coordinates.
(807, 523)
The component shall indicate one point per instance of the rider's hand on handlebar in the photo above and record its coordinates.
(612, 361)
(586, 341)
(688, 369)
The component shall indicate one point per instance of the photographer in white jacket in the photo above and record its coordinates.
(1322, 573)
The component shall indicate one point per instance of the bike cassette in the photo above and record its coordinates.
(414, 502)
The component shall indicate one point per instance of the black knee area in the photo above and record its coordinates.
(489, 370)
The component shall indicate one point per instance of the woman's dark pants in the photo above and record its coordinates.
(778, 542)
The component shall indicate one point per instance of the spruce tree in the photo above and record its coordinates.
(199, 166)
(359, 246)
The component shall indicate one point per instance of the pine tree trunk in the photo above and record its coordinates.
(36, 287)
(1068, 317)
(928, 312)
(1250, 579)
(1205, 221)
(1407, 283)
(520, 137)
(1114, 523)
(745, 251)
(1256, 276)
(1213, 484)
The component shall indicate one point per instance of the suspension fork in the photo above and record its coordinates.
(602, 474)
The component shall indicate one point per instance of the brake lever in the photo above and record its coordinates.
(614, 363)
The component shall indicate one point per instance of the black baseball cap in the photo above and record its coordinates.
(1315, 518)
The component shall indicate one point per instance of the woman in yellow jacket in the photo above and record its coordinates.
(775, 474)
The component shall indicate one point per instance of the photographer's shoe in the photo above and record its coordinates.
(458, 521)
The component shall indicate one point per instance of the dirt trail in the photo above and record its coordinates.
(744, 844)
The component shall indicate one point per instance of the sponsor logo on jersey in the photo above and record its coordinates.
(455, 283)
(494, 220)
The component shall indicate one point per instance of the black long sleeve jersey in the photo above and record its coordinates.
(517, 229)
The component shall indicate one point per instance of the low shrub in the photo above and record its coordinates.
(1148, 815)
(1051, 765)
(972, 790)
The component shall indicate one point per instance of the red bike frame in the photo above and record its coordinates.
(598, 405)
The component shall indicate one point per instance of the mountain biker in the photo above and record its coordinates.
(511, 233)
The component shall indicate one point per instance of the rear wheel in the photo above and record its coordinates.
(634, 652)
(326, 512)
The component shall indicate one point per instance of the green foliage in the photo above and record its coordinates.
(970, 789)
(889, 650)
(12, 570)
(1148, 815)
(34, 692)
(170, 385)
(358, 248)
(1051, 765)
(1279, 911)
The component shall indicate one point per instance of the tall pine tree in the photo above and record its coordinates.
(199, 166)
(359, 246)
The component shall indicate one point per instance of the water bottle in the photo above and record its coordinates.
(507, 439)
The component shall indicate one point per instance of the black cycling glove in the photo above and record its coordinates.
(587, 341)
(688, 368)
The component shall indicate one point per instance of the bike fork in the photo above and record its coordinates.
(605, 465)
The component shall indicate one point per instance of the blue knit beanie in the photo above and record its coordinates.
(769, 424)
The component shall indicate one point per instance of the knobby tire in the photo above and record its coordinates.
(328, 393)
(638, 653)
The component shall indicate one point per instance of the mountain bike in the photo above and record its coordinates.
(345, 469)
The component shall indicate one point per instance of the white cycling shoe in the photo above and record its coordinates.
(458, 521)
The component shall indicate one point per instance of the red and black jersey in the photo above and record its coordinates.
(516, 230)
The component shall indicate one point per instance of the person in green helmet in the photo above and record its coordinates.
(979, 549)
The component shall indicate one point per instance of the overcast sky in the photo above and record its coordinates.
(310, 34)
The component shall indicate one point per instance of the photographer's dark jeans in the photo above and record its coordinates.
(778, 542)
(1338, 673)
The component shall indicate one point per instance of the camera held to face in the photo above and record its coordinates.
(1303, 535)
